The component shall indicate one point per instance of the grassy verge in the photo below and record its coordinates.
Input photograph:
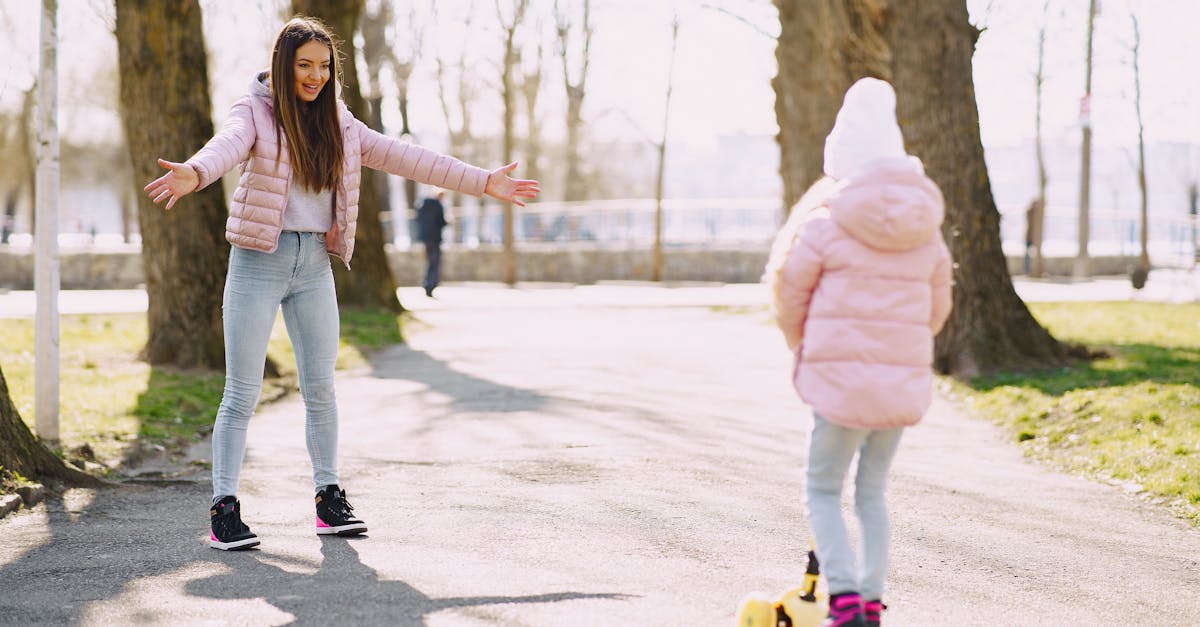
(109, 399)
(1132, 418)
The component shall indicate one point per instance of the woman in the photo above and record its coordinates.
(301, 152)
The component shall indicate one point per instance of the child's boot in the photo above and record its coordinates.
(845, 610)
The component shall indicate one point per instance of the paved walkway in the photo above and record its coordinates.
(604, 455)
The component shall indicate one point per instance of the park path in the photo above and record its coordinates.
(605, 455)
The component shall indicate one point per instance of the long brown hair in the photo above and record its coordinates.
(312, 130)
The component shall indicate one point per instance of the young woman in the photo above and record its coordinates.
(301, 152)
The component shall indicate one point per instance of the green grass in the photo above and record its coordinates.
(1131, 418)
(109, 398)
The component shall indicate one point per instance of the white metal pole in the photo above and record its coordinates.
(46, 276)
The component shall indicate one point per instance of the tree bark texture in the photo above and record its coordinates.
(167, 113)
(990, 328)
(824, 46)
(924, 49)
(371, 284)
(22, 452)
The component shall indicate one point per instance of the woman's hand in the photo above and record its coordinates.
(500, 186)
(178, 182)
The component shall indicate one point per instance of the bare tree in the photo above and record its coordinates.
(371, 284)
(574, 187)
(531, 87)
(508, 91)
(457, 114)
(166, 111)
(1141, 272)
(656, 268)
(382, 38)
(1037, 226)
(1082, 262)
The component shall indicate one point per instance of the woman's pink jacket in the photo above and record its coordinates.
(248, 137)
(861, 294)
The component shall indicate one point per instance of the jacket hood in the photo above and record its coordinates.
(891, 205)
(259, 87)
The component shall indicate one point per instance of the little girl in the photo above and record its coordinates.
(861, 278)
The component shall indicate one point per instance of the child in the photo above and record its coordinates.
(301, 152)
(861, 280)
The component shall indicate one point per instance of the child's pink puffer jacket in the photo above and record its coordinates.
(256, 213)
(863, 291)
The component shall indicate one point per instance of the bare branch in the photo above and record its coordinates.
(741, 18)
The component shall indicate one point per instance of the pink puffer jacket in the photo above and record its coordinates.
(863, 291)
(248, 137)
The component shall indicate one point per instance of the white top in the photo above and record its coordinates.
(307, 211)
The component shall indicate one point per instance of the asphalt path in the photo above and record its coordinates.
(607, 455)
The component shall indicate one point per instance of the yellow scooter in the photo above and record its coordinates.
(799, 607)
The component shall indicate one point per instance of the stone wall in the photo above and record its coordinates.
(122, 269)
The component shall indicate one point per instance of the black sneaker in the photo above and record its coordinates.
(335, 514)
(227, 531)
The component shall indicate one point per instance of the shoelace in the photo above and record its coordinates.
(340, 506)
(230, 523)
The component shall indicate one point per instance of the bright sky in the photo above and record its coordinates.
(722, 75)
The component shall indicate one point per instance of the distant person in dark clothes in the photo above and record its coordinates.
(431, 219)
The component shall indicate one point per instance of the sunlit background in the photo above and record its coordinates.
(722, 159)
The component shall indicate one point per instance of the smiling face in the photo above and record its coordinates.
(310, 71)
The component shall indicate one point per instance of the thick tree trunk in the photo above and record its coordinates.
(22, 452)
(371, 284)
(824, 46)
(166, 112)
(990, 328)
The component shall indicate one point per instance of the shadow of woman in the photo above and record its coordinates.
(345, 588)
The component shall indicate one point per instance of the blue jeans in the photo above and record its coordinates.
(830, 452)
(297, 276)
(433, 261)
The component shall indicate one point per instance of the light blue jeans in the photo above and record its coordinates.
(831, 450)
(297, 276)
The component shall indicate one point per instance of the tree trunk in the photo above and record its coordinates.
(1039, 218)
(1142, 271)
(28, 148)
(371, 284)
(166, 113)
(508, 91)
(22, 452)
(574, 187)
(990, 328)
(824, 46)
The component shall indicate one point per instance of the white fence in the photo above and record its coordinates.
(734, 222)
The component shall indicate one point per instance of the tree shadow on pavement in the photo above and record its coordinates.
(346, 590)
(466, 391)
(92, 553)
(1126, 364)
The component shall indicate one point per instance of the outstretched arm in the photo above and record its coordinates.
(179, 181)
(500, 186)
(228, 148)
